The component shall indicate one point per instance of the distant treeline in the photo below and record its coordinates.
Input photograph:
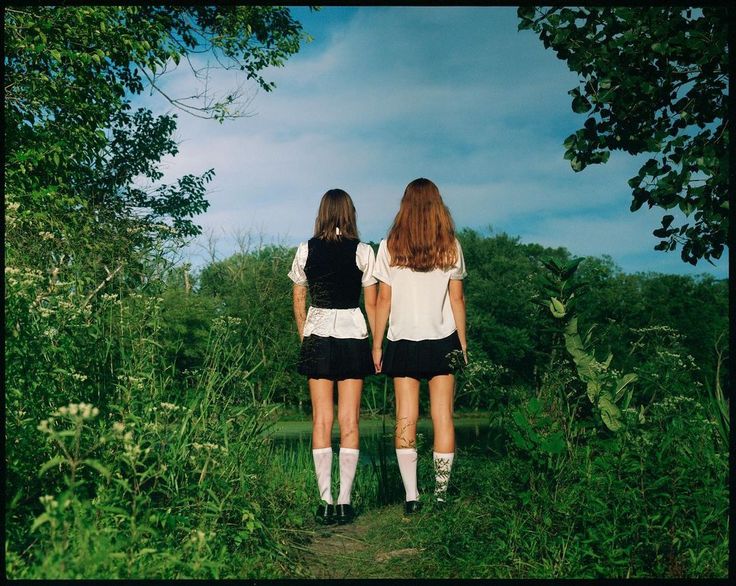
(635, 315)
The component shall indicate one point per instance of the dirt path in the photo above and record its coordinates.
(376, 545)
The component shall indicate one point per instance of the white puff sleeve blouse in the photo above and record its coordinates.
(420, 301)
(335, 323)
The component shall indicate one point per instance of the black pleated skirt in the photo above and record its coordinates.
(335, 358)
(423, 358)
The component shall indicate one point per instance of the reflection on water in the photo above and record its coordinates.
(379, 483)
(470, 434)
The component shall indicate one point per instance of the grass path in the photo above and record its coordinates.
(378, 544)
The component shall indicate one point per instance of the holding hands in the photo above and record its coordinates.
(377, 359)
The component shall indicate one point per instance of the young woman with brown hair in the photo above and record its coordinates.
(334, 265)
(420, 267)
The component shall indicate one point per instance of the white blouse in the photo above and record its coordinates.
(335, 323)
(420, 301)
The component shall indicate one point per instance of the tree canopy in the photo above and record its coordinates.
(81, 164)
(652, 80)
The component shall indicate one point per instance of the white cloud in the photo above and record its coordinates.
(453, 94)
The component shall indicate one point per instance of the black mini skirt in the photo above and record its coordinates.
(335, 358)
(423, 358)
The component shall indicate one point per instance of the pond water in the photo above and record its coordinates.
(471, 432)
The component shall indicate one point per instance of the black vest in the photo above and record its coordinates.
(334, 279)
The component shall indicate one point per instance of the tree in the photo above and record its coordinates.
(77, 154)
(653, 80)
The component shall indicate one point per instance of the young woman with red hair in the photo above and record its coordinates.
(420, 268)
(334, 266)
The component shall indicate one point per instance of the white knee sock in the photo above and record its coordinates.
(407, 458)
(442, 467)
(348, 464)
(323, 469)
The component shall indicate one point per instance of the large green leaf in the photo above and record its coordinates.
(622, 383)
(557, 307)
(593, 390)
(610, 414)
(553, 443)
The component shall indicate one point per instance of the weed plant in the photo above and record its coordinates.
(137, 445)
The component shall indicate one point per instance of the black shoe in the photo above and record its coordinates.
(344, 514)
(411, 507)
(325, 514)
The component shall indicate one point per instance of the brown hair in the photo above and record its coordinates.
(422, 236)
(336, 210)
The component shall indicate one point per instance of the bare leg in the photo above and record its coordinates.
(322, 417)
(348, 415)
(407, 411)
(320, 389)
(441, 394)
(348, 411)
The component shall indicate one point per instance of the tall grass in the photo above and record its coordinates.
(136, 447)
(121, 469)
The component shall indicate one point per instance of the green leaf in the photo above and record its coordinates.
(557, 307)
(610, 414)
(519, 440)
(55, 461)
(642, 419)
(40, 520)
(534, 406)
(97, 466)
(622, 383)
(580, 104)
(526, 12)
(607, 362)
(660, 48)
(571, 267)
(520, 420)
(593, 389)
(553, 443)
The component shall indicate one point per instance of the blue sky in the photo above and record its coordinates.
(384, 95)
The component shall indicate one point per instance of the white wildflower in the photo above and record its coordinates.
(48, 501)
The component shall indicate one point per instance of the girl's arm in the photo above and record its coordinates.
(300, 309)
(370, 294)
(383, 308)
(457, 303)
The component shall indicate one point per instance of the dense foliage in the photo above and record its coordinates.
(136, 420)
(137, 392)
(652, 80)
(80, 162)
(117, 464)
(510, 334)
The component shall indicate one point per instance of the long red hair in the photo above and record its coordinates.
(422, 236)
